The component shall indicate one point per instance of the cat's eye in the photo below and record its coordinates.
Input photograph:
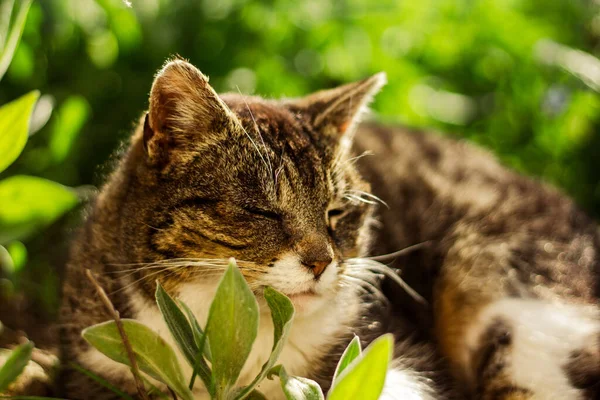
(262, 212)
(334, 215)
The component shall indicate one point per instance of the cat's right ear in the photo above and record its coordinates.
(185, 113)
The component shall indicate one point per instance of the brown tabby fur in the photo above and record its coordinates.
(208, 176)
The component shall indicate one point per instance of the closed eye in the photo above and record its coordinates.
(333, 216)
(262, 212)
(336, 212)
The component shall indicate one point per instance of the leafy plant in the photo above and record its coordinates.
(14, 365)
(27, 203)
(226, 342)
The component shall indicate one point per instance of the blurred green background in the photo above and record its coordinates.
(520, 77)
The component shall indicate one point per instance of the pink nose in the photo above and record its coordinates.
(318, 267)
(315, 253)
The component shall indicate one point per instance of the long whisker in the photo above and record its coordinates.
(140, 279)
(179, 263)
(370, 198)
(365, 284)
(356, 264)
(208, 266)
(406, 250)
(168, 260)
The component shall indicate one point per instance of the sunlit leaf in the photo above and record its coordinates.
(14, 36)
(363, 379)
(14, 127)
(6, 10)
(282, 313)
(70, 118)
(352, 351)
(6, 262)
(297, 388)
(153, 355)
(18, 254)
(184, 337)
(15, 364)
(231, 328)
(30, 203)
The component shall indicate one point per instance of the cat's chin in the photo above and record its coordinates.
(307, 303)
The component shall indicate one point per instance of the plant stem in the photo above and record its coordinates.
(115, 315)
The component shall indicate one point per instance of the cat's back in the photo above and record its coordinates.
(447, 191)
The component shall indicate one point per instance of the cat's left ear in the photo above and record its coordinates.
(337, 111)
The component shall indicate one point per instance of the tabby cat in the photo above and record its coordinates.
(505, 269)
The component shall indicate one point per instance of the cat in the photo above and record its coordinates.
(502, 270)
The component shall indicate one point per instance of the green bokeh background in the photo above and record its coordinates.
(520, 77)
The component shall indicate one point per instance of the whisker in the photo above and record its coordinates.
(358, 199)
(406, 250)
(353, 160)
(207, 266)
(365, 284)
(355, 264)
(372, 198)
(270, 166)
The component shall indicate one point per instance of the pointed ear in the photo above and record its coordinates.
(185, 112)
(337, 111)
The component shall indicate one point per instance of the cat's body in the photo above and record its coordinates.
(503, 261)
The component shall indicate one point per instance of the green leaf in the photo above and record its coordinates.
(29, 204)
(14, 37)
(231, 328)
(14, 127)
(297, 388)
(177, 323)
(199, 336)
(153, 355)
(70, 118)
(15, 364)
(352, 351)
(184, 337)
(18, 254)
(364, 378)
(101, 381)
(6, 10)
(202, 341)
(282, 313)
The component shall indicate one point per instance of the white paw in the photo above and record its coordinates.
(405, 384)
(542, 339)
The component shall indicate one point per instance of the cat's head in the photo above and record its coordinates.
(271, 183)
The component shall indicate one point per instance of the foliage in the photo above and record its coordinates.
(153, 355)
(231, 330)
(15, 364)
(28, 203)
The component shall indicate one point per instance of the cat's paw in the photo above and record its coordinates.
(405, 384)
(530, 349)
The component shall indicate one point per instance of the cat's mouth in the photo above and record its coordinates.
(305, 293)
(306, 302)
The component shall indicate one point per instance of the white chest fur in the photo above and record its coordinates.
(309, 337)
